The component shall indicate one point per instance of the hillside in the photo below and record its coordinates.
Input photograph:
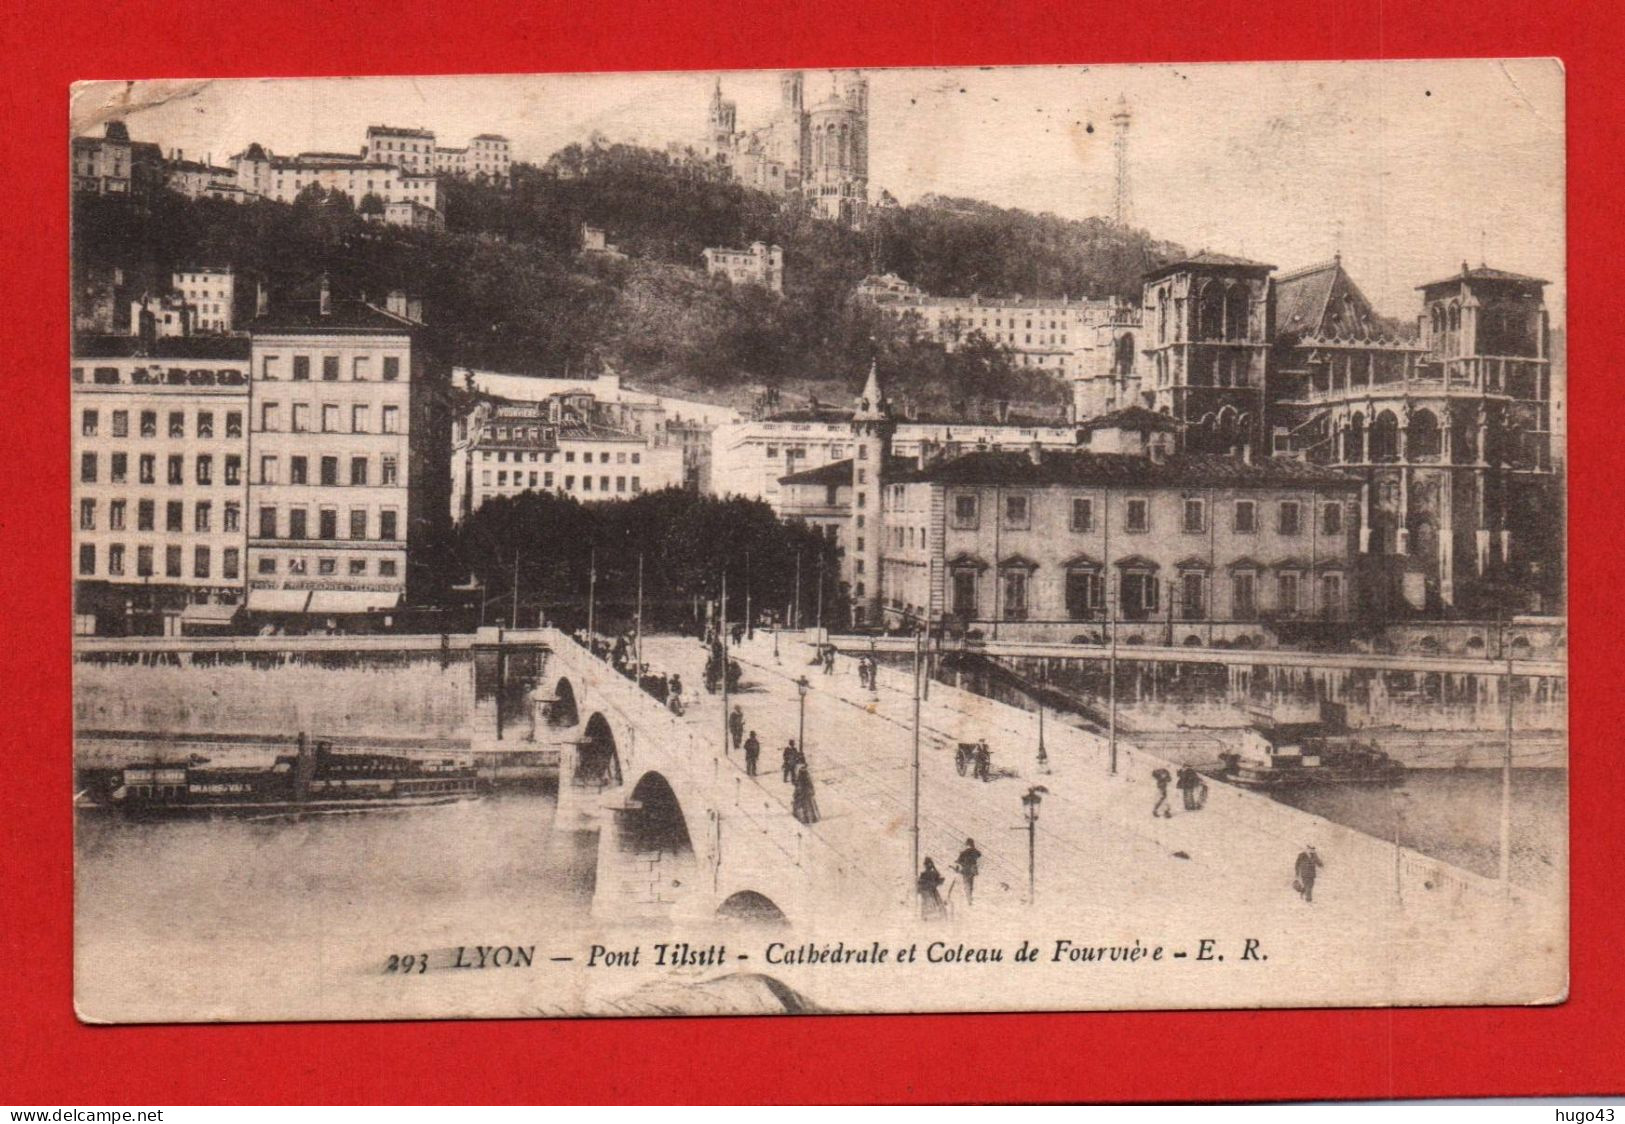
(505, 288)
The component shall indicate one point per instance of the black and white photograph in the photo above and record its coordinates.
(820, 542)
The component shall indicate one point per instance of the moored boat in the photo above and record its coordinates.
(1291, 756)
(315, 780)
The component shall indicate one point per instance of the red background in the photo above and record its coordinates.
(47, 1057)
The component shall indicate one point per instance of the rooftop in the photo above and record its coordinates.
(397, 131)
(1057, 468)
(1485, 273)
(1132, 417)
(1206, 259)
(165, 347)
(305, 316)
(840, 472)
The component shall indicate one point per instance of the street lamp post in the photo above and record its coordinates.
(802, 687)
(1029, 802)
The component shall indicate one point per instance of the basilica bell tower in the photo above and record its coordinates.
(872, 430)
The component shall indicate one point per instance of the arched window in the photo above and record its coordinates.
(1210, 312)
(1385, 437)
(1236, 307)
(1125, 353)
(1354, 440)
(1424, 442)
(1162, 318)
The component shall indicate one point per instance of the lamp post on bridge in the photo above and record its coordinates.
(802, 687)
(1029, 802)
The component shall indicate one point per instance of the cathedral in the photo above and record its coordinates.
(818, 151)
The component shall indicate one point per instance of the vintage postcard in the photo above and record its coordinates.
(1050, 538)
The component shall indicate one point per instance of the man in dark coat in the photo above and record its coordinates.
(1188, 782)
(1160, 808)
(1304, 871)
(792, 758)
(736, 726)
(969, 863)
(753, 750)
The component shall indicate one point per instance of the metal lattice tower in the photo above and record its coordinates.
(1122, 206)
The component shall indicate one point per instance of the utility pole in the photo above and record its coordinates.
(513, 621)
(592, 592)
(914, 866)
(820, 598)
(1506, 790)
(723, 636)
(1111, 675)
(750, 631)
(795, 616)
(637, 636)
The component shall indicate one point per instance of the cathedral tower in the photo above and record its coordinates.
(872, 429)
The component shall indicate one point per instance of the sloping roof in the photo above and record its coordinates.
(490, 136)
(1323, 300)
(344, 315)
(840, 472)
(1132, 417)
(1485, 273)
(165, 347)
(1206, 259)
(1068, 467)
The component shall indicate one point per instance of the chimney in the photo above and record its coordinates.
(326, 305)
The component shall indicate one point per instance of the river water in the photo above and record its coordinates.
(160, 906)
(1455, 815)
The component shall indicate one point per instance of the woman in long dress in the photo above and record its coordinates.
(929, 886)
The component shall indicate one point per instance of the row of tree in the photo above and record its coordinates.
(550, 553)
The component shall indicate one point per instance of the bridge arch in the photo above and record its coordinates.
(655, 820)
(598, 761)
(562, 711)
(752, 908)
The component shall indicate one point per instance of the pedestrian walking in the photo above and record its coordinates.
(677, 685)
(1189, 781)
(1160, 808)
(969, 863)
(929, 886)
(803, 803)
(753, 750)
(1304, 872)
(736, 726)
(792, 758)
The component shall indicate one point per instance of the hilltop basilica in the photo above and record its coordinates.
(820, 151)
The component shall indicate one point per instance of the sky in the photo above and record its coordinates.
(1407, 168)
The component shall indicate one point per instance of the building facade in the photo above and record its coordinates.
(341, 449)
(112, 164)
(818, 150)
(760, 265)
(1186, 548)
(1088, 342)
(160, 482)
(1449, 428)
(1206, 349)
(212, 294)
(507, 448)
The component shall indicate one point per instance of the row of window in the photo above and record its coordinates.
(569, 457)
(327, 566)
(272, 367)
(298, 526)
(1017, 515)
(203, 423)
(1138, 595)
(621, 483)
(174, 562)
(332, 418)
(328, 471)
(146, 515)
(118, 469)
